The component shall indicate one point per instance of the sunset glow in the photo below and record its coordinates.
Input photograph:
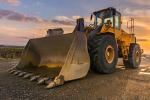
(21, 20)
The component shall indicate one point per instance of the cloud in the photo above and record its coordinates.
(142, 21)
(140, 2)
(23, 37)
(15, 16)
(137, 12)
(18, 33)
(142, 40)
(76, 17)
(12, 2)
(21, 28)
(64, 20)
(142, 24)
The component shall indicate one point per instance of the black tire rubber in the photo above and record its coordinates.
(92, 49)
(131, 62)
(97, 46)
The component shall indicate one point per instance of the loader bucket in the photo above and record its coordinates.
(60, 58)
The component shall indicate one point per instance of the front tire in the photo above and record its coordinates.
(104, 54)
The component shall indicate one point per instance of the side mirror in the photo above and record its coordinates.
(91, 17)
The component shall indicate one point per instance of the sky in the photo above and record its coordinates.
(21, 20)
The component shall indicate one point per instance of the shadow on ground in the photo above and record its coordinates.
(122, 85)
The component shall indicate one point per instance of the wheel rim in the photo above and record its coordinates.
(137, 56)
(109, 54)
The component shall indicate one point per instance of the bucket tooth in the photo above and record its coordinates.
(16, 73)
(12, 71)
(59, 80)
(48, 81)
(21, 74)
(51, 85)
(42, 80)
(9, 70)
(26, 76)
(34, 78)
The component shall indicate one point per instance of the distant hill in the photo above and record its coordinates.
(10, 46)
(7, 51)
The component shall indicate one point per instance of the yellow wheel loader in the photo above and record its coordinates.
(59, 57)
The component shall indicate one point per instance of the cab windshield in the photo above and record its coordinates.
(107, 16)
(103, 17)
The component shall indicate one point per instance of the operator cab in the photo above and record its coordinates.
(107, 16)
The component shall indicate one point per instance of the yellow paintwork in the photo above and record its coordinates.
(123, 39)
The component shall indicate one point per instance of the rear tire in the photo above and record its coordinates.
(134, 56)
(103, 53)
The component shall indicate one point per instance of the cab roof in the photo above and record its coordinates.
(112, 9)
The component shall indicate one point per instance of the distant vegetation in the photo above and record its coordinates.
(10, 52)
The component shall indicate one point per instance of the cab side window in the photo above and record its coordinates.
(117, 22)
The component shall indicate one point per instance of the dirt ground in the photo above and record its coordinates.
(124, 84)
